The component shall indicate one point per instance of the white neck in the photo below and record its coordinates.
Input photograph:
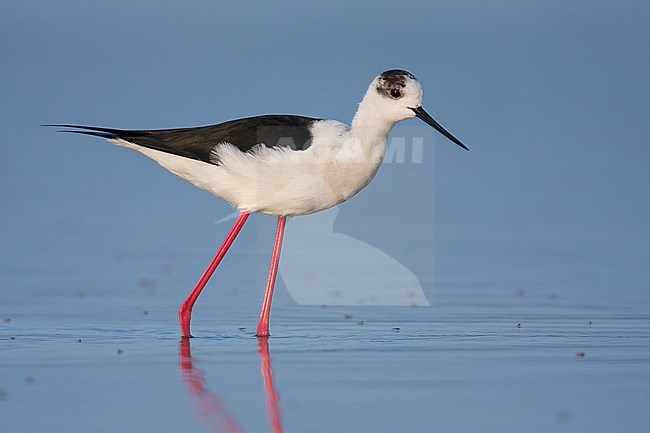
(370, 123)
(368, 133)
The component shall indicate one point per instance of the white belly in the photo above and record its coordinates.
(276, 181)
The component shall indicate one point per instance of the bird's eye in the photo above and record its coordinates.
(395, 93)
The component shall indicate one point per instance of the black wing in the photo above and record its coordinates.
(281, 130)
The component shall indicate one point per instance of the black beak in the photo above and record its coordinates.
(421, 114)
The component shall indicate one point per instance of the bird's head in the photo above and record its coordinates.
(397, 95)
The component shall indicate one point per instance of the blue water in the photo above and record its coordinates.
(501, 349)
(533, 249)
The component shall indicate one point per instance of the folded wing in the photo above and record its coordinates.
(199, 142)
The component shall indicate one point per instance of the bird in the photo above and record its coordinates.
(281, 165)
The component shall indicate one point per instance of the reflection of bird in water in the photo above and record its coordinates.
(210, 408)
(272, 397)
(360, 274)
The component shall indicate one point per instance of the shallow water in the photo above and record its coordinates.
(532, 248)
(487, 356)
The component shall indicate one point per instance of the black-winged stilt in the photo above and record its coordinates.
(282, 165)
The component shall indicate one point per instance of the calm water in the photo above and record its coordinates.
(500, 349)
(533, 249)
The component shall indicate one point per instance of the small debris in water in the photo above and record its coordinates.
(120, 351)
(360, 322)
(82, 295)
(396, 329)
(148, 284)
(348, 316)
(554, 296)
(581, 354)
(7, 320)
(29, 380)
(521, 293)
(78, 340)
(3, 394)
(562, 416)
(12, 338)
(145, 312)
(590, 323)
(166, 269)
(518, 325)
(242, 329)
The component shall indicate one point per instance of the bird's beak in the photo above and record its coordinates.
(421, 114)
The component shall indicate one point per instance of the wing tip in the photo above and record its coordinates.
(107, 133)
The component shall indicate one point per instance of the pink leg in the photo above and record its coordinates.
(263, 324)
(185, 311)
